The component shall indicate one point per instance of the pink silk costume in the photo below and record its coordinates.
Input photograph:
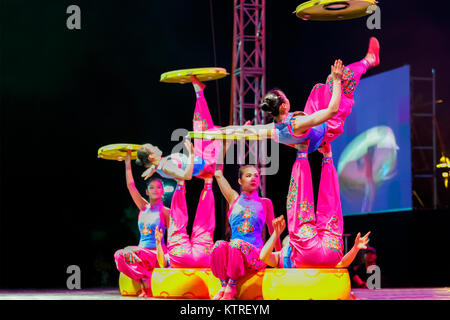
(247, 217)
(316, 239)
(185, 251)
(138, 262)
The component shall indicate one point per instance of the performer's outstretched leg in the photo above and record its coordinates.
(202, 121)
(219, 263)
(320, 95)
(329, 221)
(178, 243)
(138, 264)
(203, 227)
(300, 200)
(135, 262)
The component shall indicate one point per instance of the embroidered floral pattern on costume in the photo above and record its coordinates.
(178, 251)
(246, 226)
(327, 161)
(242, 245)
(131, 257)
(332, 224)
(208, 250)
(307, 231)
(318, 86)
(200, 124)
(305, 206)
(204, 237)
(292, 194)
(348, 81)
(256, 263)
(146, 230)
(333, 244)
(329, 82)
(175, 238)
(302, 155)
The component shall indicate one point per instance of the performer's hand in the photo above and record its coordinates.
(149, 172)
(188, 145)
(249, 130)
(279, 225)
(158, 235)
(361, 243)
(337, 70)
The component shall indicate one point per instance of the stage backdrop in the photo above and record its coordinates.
(373, 154)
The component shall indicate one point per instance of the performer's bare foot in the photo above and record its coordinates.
(373, 54)
(145, 288)
(198, 85)
(219, 294)
(144, 293)
(229, 294)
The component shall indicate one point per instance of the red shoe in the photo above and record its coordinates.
(324, 148)
(374, 52)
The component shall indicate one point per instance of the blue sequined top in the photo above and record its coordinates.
(150, 217)
(286, 258)
(182, 160)
(247, 218)
(284, 133)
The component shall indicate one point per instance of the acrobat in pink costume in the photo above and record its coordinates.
(247, 217)
(320, 97)
(315, 239)
(138, 262)
(193, 251)
(205, 149)
(318, 243)
(185, 251)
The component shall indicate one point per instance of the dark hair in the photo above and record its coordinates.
(155, 179)
(242, 168)
(272, 101)
(142, 157)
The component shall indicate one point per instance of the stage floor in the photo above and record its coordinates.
(113, 294)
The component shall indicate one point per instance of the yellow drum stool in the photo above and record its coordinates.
(306, 284)
(176, 283)
(128, 286)
(248, 287)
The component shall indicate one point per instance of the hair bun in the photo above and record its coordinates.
(264, 106)
(142, 157)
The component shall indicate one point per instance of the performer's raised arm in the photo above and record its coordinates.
(360, 243)
(134, 192)
(270, 216)
(303, 123)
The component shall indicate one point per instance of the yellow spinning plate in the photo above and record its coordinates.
(325, 10)
(203, 74)
(218, 135)
(118, 151)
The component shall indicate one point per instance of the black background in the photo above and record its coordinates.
(65, 93)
